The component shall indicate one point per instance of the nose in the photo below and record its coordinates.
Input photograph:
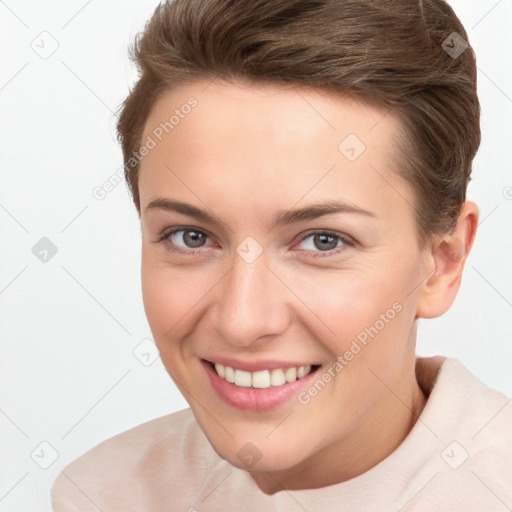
(252, 304)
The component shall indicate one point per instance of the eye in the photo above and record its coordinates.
(189, 240)
(184, 240)
(325, 242)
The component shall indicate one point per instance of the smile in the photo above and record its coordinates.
(259, 386)
(262, 379)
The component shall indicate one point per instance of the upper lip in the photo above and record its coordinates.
(254, 366)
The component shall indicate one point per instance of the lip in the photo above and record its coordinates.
(255, 366)
(251, 399)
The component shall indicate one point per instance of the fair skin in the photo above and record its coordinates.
(243, 154)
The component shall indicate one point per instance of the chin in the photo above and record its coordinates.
(259, 456)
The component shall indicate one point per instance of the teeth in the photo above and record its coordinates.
(302, 371)
(290, 374)
(243, 378)
(229, 374)
(262, 379)
(277, 378)
(219, 369)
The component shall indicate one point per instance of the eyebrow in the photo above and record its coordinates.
(283, 217)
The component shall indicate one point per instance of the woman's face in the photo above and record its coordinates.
(244, 272)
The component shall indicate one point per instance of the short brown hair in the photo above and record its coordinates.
(395, 53)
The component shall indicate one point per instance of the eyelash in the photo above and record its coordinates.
(347, 241)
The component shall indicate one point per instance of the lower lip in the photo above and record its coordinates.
(253, 399)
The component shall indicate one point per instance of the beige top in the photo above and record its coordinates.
(458, 457)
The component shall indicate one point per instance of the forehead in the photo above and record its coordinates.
(284, 113)
(268, 142)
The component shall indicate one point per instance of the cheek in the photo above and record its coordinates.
(362, 320)
(167, 293)
(346, 305)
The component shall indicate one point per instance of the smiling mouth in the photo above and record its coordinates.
(262, 379)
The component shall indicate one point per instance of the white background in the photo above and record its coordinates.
(69, 326)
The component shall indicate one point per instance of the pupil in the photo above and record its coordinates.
(193, 238)
(323, 238)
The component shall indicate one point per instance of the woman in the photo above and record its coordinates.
(300, 171)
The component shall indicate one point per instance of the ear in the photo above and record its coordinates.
(446, 262)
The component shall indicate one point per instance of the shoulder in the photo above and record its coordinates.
(463, 395)
(459, 401)
(482, 414)
(470, 431)
(118, 473)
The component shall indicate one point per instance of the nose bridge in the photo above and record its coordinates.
(250, 305)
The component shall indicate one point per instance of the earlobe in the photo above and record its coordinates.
(448, 257)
